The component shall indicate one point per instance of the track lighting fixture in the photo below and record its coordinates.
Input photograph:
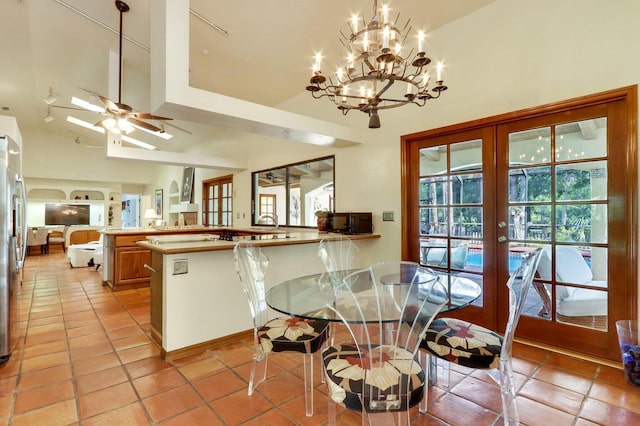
(51, 98)
(48, 118)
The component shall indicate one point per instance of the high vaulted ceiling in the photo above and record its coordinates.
(265, 58)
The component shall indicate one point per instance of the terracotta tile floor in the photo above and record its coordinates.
(87, 359)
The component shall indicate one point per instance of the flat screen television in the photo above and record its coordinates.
(66, 214)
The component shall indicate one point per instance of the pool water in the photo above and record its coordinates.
(474, 258)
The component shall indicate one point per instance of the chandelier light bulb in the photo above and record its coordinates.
(374, 60)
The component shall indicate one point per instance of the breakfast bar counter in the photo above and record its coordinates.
(197, 301)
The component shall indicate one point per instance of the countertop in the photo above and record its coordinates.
(166, 230)
(264, 238)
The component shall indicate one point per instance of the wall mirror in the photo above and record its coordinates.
(291, 194)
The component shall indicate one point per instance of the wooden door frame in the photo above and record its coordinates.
(628, 158)
(218, 181)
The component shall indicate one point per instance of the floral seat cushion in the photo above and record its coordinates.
(385, 378)
(292, 334)
(463, 343)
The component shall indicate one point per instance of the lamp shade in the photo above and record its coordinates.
(150, 214)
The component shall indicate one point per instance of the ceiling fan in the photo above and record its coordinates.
(119, 117)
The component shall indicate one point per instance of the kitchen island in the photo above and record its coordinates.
(197, 301)
(123, 262)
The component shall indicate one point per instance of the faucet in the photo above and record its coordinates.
(273, 217)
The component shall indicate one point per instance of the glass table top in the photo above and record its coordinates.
(312, 296)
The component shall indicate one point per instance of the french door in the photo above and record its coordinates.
(217, 201)
(562, 177)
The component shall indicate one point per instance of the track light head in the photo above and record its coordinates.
(51, 98)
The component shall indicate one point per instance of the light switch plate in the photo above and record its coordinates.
(180, 266)
(387, 216)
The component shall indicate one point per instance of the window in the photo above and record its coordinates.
(217, 201)
(293, 193)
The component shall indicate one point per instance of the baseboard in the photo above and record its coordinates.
(562, 351)
(208, 345)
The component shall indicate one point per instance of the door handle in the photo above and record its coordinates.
(150, 268)
(501, 224)
(502, 239)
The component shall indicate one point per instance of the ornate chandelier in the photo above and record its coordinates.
(376, 63)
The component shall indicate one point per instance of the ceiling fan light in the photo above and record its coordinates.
(125, 126)
(110, 124)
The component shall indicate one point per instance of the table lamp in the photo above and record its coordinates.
(151, 215)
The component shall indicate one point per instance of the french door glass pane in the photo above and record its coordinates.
(434, 221)
(466, 189)
(434, 191)
(581, 181)
(433, 160)
(433, 252)
(466, 222)
(581, 140)
(530, 222)
(467, 155)
(530, 146)
(581, 223)
(530, 184)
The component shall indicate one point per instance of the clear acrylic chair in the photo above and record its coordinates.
(474, 346)
(377, 372)
(338, 256)
(281, 334)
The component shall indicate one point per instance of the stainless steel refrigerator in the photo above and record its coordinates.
(13, 240)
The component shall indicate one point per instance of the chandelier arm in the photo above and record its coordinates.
(396, 20)
(385, 88)
(321, 95)
(366, 62)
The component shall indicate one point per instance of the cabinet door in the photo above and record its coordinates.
(130, 265)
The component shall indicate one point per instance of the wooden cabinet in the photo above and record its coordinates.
(128, 263)
(131, 270)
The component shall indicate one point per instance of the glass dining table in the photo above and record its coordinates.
(312, 296)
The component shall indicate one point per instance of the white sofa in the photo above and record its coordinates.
(82, 255)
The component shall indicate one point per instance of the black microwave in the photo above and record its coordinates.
(350, 223)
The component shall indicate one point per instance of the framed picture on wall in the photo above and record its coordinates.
(159, 203)
(186, 189)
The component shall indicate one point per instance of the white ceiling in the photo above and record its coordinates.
(265, 58)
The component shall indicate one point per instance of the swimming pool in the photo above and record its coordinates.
(474, 259)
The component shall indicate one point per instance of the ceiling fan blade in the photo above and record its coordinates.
(147, 116)
(66, 107)
(145, 125)
(111, 106)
